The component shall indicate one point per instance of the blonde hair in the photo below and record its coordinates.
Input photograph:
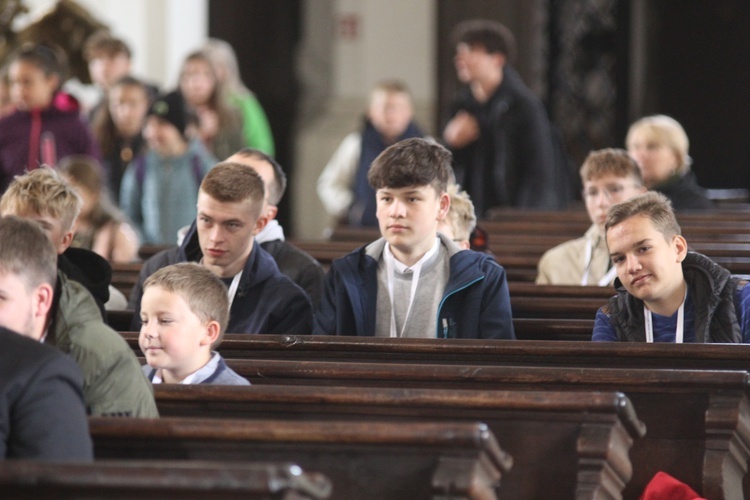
(204, 293)
(44, 192)
(461, 216)
(663, 130)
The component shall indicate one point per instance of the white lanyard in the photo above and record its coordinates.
(606, 279)
(416, 270)
(679, 332)
(232, 291)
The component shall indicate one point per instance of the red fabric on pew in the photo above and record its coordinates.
(665, 487)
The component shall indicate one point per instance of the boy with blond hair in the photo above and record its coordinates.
(414, 281)
(342, 187)
(184, 312)
(461, 219)
(609, 176)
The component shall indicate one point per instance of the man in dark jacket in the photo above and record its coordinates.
(499, 132)
(262, 300)
(414, 282)
(664, 292)
(42, 415)
(299, 266)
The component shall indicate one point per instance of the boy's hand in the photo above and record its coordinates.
(461, 131)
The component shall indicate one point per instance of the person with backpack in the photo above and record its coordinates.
(159, 187)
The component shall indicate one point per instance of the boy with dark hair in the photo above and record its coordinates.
(498, 129)
(184, 312)
(664, 292)
(609, 176)
(414, 282)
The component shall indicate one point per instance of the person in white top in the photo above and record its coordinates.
(609, 176)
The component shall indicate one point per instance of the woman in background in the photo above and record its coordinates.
(660, 146)
(118, 127)
(255, 127)
(219, 123)
(100, 227)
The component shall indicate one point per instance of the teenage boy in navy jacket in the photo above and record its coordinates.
(414, 282)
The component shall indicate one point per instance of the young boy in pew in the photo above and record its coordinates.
(184, 311)
(414, 281)
(609, 176)
(664, 292)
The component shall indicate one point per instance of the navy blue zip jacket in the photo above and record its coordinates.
(475, 304)
(266, 300)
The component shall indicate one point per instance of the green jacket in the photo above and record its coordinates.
(113, 383)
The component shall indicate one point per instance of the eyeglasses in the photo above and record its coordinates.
(610, 191)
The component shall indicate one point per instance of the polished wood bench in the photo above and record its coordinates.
(363, 459)
(698, 421)
(577, 441)
(162, 479)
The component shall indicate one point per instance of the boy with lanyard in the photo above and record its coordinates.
(184, 311)
(664, 292)
(229, 216)
(414, 282)
(609, 176)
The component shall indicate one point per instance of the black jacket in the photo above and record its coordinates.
(266, 300)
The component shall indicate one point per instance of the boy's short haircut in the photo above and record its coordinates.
(612, 161)
(202, 291)
(102, 43)
(44, 192)
(391, 87)
(18, 237)
(461, 216)
(651, 204)
(493, 36)
(230, 182)
(412, 162)
(275, 191)
(665, 130)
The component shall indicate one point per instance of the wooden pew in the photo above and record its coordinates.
(698, 421)
(525, 328)
(578, 442)
(159, 479)
(363, 459)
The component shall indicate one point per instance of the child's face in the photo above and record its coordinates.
(197, 82)
(128, 105)
(655, 158)
(649, 266)
(163, 137)
(106, 69)
(30, 88)
(605, 191)
(172, 337)
(56, 229)
(390, 113)
(408, 217)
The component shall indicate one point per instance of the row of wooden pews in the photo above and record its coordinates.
(387, 418)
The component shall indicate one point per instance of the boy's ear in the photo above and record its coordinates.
(445, 205)
(213, 328)
(260, 223)
(681, 246)
(67, 240)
